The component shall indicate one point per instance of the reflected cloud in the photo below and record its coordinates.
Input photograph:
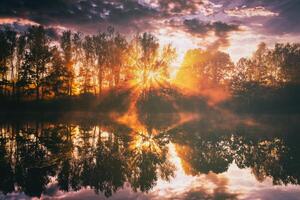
(112, 160)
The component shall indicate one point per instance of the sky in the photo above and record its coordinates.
(233, 26)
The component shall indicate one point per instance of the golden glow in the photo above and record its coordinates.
(146, 79)
(22, 21)
(145, 142)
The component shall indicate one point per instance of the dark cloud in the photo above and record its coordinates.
(85, 13)
(39, 11)
(130, 10)
(94, 13)
(202, 29)
(52, 32)
(16, 26)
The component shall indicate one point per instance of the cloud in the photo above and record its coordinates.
(220, 191)
(250, 12)
(91, 16)
(18, 24)
(80, 14)
(215, 17)
(187, 7)
(203, 28)
(203, 186)
(21, 25)
(220, 30)
(17, 21)
(116, 12)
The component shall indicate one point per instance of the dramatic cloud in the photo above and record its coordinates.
(138, 15)
(173, 7)
(22, 25)
(220, 30)
(81, 14)
(250, 12)
(203, 28)
(17, 23)
(191, 19)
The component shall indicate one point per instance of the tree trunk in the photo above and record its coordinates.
(37, 92)
(100, 80)
(70, 87)
(12, 78)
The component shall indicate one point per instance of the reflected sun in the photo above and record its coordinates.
(145, 142)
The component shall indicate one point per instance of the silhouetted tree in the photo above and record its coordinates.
(68, 49)
(7, 50)
(86, 70)
(37, 58)
(116, 57)
(101, 53)
(20, 56)
(58, 79)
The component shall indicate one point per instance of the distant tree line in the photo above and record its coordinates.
(267, 67)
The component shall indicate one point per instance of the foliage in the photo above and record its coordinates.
(32, 64)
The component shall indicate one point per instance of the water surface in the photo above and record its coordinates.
(211, 155)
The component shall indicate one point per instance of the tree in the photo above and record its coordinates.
(201, 68)
(11, 36)
(260, 64)
(20, 56)
(117, 57)
(101, 52)
(67, 47)
(7, 49)
(287, 58)
(86, 70)
(254, 69)
(58, 78)
(36, 59)
(269, 67)
(149, 66)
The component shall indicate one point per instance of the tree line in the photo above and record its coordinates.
(34, 65)
(267, 67)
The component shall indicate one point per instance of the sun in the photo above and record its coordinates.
(148, 78)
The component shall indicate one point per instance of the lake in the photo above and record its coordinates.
(213, 154)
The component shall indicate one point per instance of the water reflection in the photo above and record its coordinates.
(107, 155)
